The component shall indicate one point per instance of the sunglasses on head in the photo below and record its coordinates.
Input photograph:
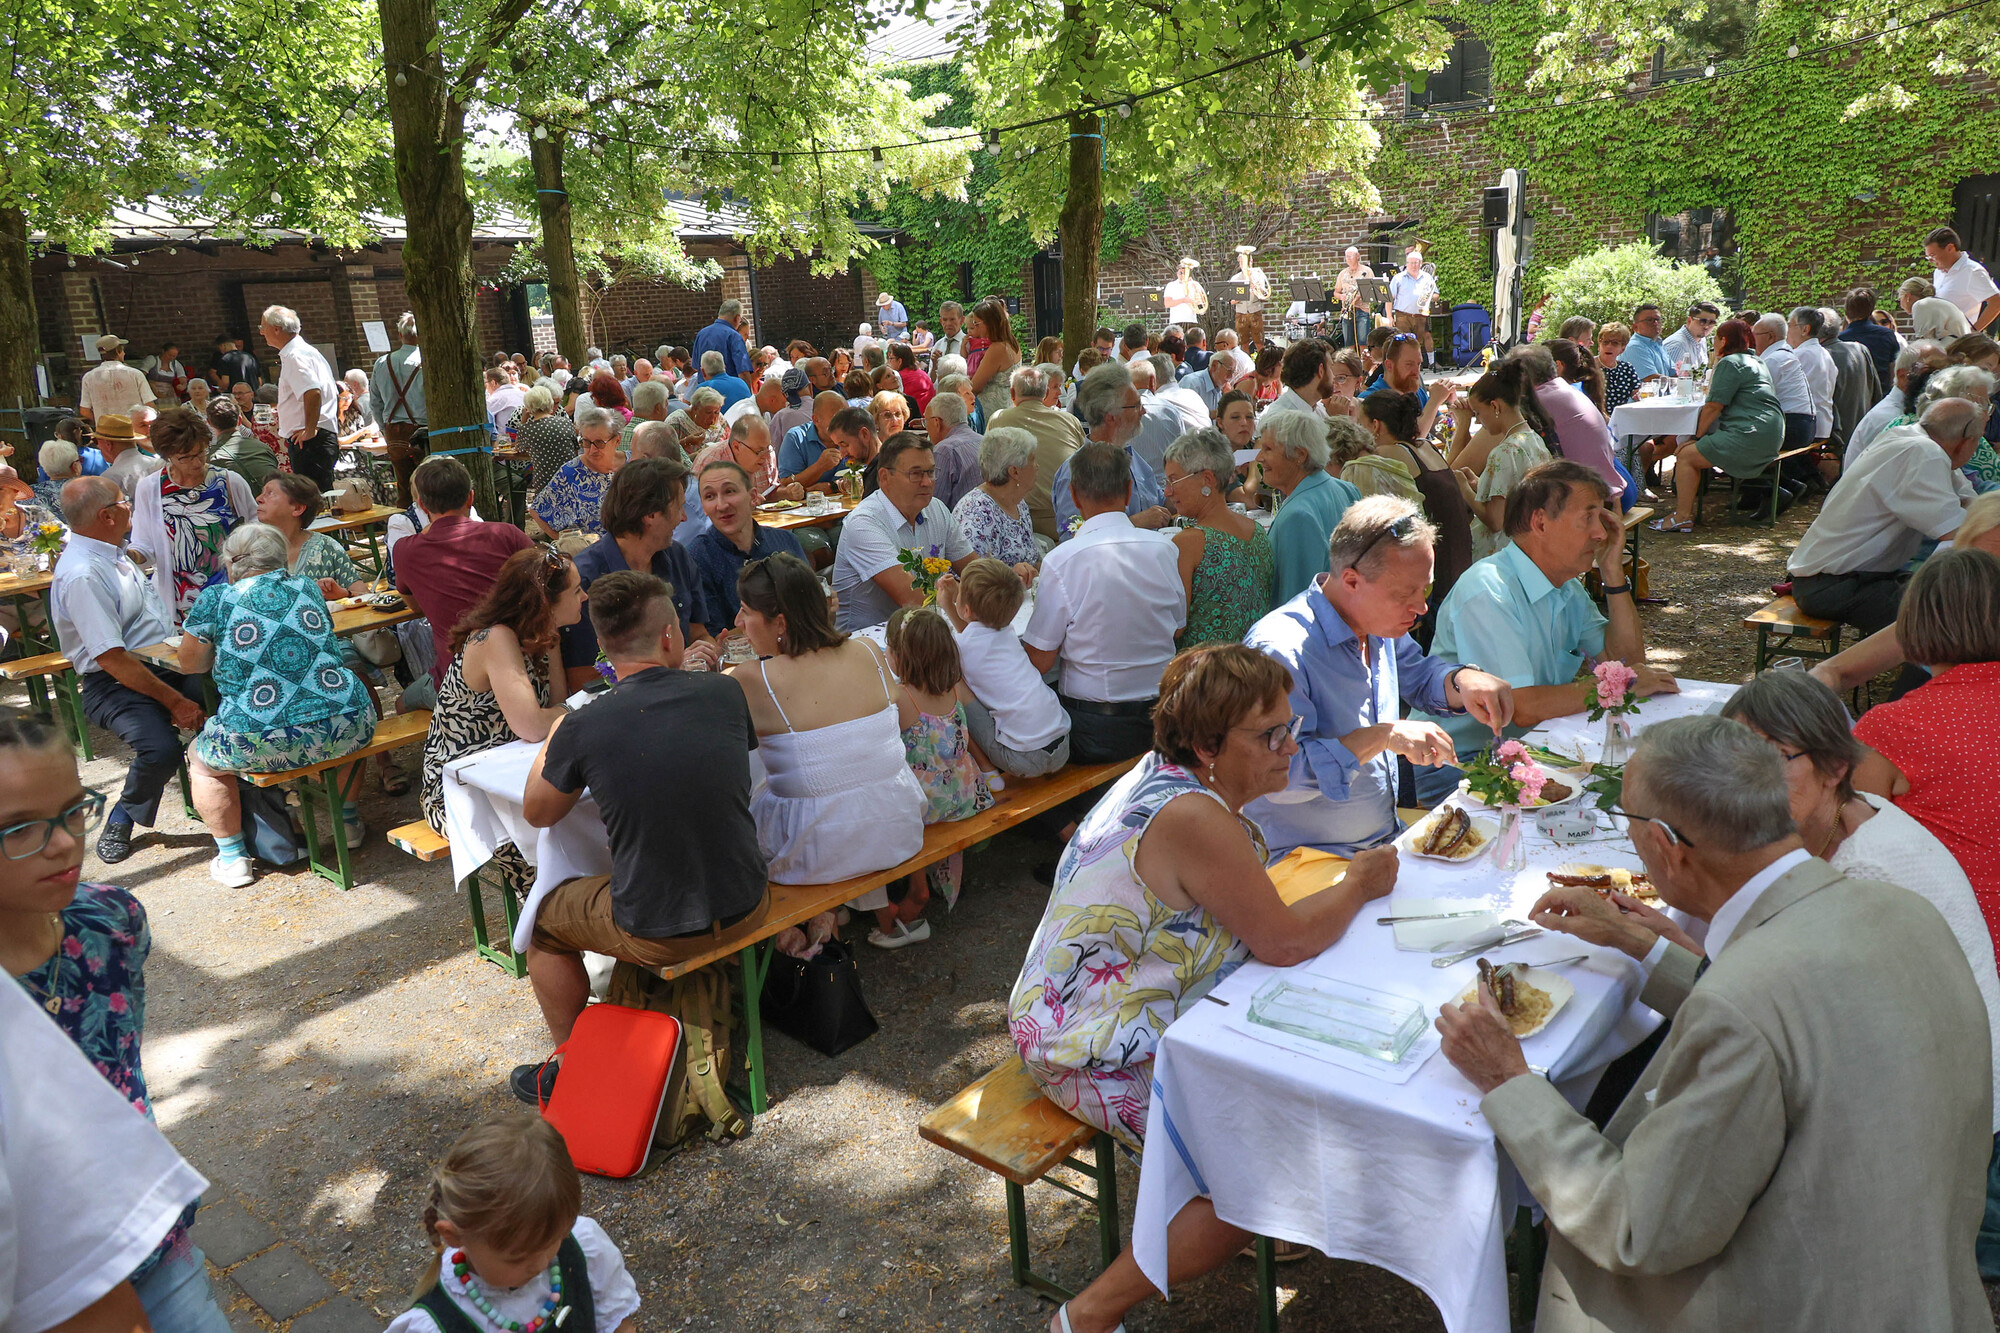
(1400, 530)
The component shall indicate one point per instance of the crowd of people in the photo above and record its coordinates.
(1295, 593)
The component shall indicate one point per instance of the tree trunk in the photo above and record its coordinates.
(19, 336)
(429, 125)
(1081, 228)
(558, 252)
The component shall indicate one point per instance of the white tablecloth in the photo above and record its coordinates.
(1407, 1177)
(482, 809)
(1656, 416)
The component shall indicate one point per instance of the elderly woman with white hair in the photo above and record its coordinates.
(549, 436)
(1291, 454)
(1227, 566)
(60, 462)
(994, 514)
(699, 424)
(571, 498)
(285, 698)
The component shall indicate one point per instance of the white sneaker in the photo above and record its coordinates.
(356, 832)
(905, 935)
(231, 872)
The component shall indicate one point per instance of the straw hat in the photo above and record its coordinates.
(1246, 249)
(115, 427)
(1190, 263)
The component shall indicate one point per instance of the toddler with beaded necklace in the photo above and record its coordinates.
(514, 1254)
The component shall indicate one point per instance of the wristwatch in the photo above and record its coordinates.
(1613, 592)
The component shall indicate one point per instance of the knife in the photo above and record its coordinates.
(1451, 959)
(1433, 916)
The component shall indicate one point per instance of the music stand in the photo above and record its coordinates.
(1372, 291)
(1240, 291)
(1313, 292)
(1152, 300)
(1114, 300)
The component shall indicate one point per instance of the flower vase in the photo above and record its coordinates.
(1509, 854)
(1617, 740)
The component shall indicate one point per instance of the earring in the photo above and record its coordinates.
(1204, 490)
(1211, 770)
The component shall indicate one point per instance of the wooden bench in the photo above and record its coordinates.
(321, 784)
(1005, 1125)
(427, 844)
(1783, 619)
(792, 904)
(1773, 475)
(67, 695)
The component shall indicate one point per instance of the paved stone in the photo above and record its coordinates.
(228, 1233)
(235, 1306)
(342, 1314)
(283, 1282)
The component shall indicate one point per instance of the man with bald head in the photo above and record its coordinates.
(808, 452)
(819, 373)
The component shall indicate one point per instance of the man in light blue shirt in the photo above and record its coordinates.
(1346, 641)
(1522, 613)
(725, 336)
(1292, 453)
(1646, 354)
(1110, 407)
(892, 320)
(1688, 345)
(807, 453)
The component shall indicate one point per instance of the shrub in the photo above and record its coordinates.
(1607, 284)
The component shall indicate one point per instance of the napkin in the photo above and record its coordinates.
(1424, 936)
(1304, 871)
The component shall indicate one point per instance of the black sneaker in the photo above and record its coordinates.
(115, 843)
(534, 1084)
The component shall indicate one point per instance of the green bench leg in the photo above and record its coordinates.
(1103, 1172)
(71, 691)
(1527, 1247)
(503, 958)
(756, 960)
(1266, 1251)
(327, 793)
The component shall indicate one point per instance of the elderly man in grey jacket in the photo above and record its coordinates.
(1808, 1148)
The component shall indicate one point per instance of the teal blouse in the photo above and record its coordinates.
(277, 660)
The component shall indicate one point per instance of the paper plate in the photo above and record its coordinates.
(1484, 831)
(1559, 989)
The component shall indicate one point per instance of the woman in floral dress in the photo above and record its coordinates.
(1226, 562)
(182, 513)
(1159, 896)
(78, 950)
(994, 514)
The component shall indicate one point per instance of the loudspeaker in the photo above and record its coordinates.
(1493, 202)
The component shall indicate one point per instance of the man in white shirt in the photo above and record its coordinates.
(1187, 300)
(103, 608)
(1850, 564)
(768, 400)
(307, 397)
(1411, 293)
(1250, 313)
(904, 515)
(1962, 280)
(1802, 333)
(1171, 411)
(1108, 605)
(1307, 374)
(1688, 344)
(111, 387)
(1788, 379)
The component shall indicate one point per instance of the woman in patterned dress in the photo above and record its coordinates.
(1227, 566)
(182, 513)
(994, 514)
(79, 951)
(287, 699)
(571, 498)
(496, 690)
(1159, 896)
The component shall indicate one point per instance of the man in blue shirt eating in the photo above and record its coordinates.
(1346, 641)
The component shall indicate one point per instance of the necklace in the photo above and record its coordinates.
(52, 997)
(461, 1269)
(1832, 834)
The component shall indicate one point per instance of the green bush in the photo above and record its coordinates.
(1607, 284)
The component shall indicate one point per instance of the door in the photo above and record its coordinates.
(1048, 296)
(1976, 216)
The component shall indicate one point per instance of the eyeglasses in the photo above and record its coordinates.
(1275, 737)
(922, 474)
(31, 837)
(1400, 530)
(1704, 321)
(1673, 834)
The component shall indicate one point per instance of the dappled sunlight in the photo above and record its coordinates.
(348, 1200)
(174, 1063)
(281, 924)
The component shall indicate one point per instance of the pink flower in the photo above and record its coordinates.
(1508, 751)
(1614, 679)
(1531, 778)
(117, 1003)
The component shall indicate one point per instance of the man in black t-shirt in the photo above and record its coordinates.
(666, 756)
(231, 363)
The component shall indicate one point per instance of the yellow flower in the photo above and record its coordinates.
(936, 565)
(50, 529)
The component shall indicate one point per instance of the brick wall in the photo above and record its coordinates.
(792, 303)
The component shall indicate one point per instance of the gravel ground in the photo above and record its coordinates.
(318, 1050)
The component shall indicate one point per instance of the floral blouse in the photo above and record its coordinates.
(992, 532)
(1111, 965)
(1511, 460)
(96, 981)
(572, 497)
(198, 518)
(323, 557)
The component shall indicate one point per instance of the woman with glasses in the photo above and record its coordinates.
(570, 500)
(286, 695)
(1226, 563)
(78, 950)
(1161, 893)
(504, 654)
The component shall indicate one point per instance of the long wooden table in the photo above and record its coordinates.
(372, 523)
(799, 518)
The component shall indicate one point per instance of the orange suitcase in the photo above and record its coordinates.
(616, 1067)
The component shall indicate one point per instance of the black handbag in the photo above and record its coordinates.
(818, 1000)
(267, 825)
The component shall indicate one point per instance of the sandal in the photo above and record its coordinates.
(1060, 1324)
(395, 782)
(1671, 525)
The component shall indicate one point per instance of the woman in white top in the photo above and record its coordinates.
(1014, 717)
(839, 799)
(994, 371)
(1861, 835)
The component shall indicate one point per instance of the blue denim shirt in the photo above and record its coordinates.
(1333, 801)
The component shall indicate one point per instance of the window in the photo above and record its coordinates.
(1462, 82)
(1721, 35)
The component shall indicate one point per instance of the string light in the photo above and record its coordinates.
(993, 143)
(1302, 56)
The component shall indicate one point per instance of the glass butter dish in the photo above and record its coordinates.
(1368, 1022)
